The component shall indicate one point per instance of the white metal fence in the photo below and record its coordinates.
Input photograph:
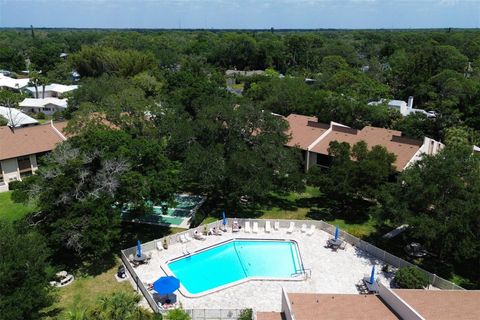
(354, 241)
(214, 314)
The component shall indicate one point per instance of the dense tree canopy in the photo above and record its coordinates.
(24, 287)
(153, 115)
(355, 172)
(439, 197)
(84, 183)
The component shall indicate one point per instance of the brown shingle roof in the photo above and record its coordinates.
(307, 306)
(403, 148)
(28, 140)
(270, 316)
(303, 135)
(443, 304)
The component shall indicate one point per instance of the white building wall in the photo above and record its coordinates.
(48, 94)
(397, 304)
(10, 170)
(429, 147)
(33, 162)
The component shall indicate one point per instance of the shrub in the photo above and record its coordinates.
(177, 314)
(411, 278)
(40, 116)
(3, 121)
(13, 185)
(246, 314)
(58, 116)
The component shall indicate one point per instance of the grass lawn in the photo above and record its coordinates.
(10, 210)
(303, 206)
(85, 290)
(94, 281)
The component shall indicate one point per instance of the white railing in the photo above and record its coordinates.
(217, 314)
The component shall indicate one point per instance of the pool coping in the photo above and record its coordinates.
(187, 294)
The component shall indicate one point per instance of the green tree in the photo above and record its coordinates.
(438, 197)
(24, 287)
(411, 278)
(355, 173)
(244, 147)
(99, 60)
(82, 185)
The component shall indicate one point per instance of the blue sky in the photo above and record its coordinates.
(249, 14)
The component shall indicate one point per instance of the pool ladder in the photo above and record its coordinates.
(307, 273)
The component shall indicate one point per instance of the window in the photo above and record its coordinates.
(324, 160)
(1, 172)
(24, 163)
(26, 173)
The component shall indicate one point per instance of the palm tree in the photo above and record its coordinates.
(34, 80)
(42, 81)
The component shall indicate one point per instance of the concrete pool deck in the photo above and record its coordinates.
(331, 272)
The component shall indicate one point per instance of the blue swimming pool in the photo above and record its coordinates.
(237, 260)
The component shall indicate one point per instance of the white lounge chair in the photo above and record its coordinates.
(268, 227)
(247, 227)
(159, 246)
(276, 226)
(182, 239)
(311, 230)
(188, 237)
(304, 228)
(197, 235)
(255, 227)
(291, 227)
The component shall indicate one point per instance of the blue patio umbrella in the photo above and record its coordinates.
(372, 275)
(166, 285)
(224, 218)
(336, 232)
(139, 248)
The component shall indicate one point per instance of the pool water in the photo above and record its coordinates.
(237, 260)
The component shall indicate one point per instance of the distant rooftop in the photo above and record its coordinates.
(245, 73)
(38, 103)
(16, 118)
(12, 83)
(54, 87)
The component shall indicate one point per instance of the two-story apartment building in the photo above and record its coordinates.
(21, 148)
(313, 138)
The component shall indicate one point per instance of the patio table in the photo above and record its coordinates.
(140, 259)
(335, 243)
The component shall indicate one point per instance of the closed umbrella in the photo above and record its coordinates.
(336, 232)
(139, 249)
(372, 275)
(166, 285)
(224, 218)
